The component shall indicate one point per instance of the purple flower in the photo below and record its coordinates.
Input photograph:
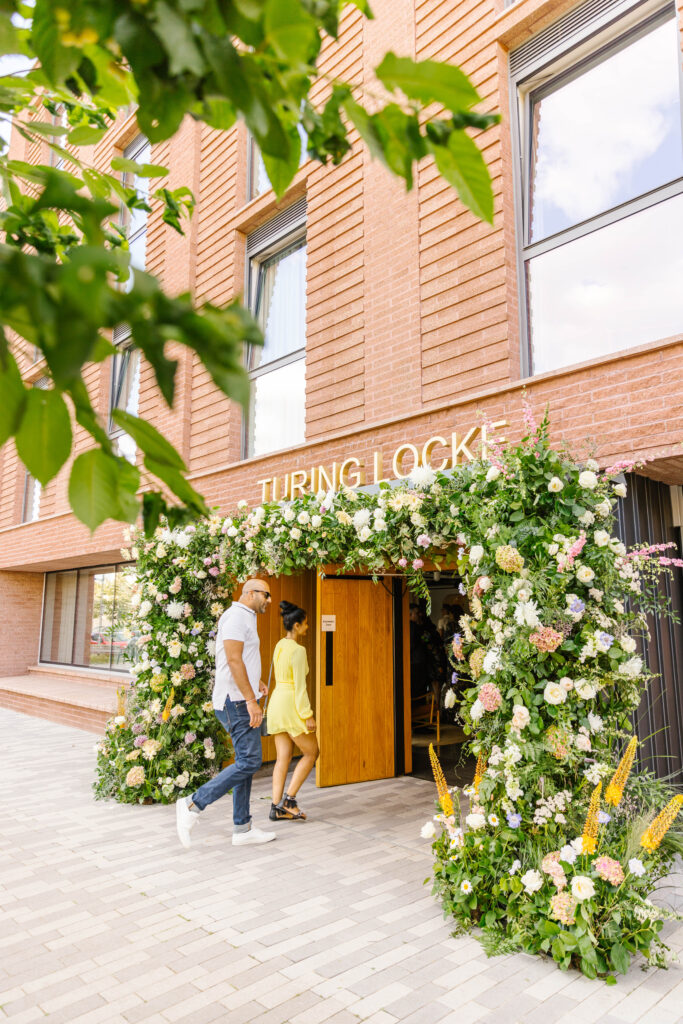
(190, 737)
(137, 729)
(577, 607)
(461, 590)
(139, 740)
(604, 817)
(212, 633)
(454, 678)
(514, 820)
(605, 640)
(195, 631)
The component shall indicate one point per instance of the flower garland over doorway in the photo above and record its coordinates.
(542, 859)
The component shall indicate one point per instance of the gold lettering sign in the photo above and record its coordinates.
(436, 452)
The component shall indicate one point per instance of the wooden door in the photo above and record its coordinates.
(355, 681)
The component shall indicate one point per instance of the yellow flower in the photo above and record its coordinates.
(615, 789)
(509, 558)
(445, 798)
(657, 829)
(479, 772)
(477, 661)
(165, 714)
(590, 829)
(136, 776)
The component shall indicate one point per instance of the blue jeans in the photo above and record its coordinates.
(246, 743)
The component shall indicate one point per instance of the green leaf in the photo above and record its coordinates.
(120, 163)
(44, 435)
(95, 488)
(148, 438)
(619, 957)
(86, 136)
(462, 165)
(281, 170)
(12, 395)
(428, 81)
(291, 31)
(178, 484)
(178, 39)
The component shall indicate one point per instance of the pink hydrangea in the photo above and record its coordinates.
(609, 870)
(546, 639)
(490, 696)
(563, 908)
(187, 671)
(417, 563)
(550, 865)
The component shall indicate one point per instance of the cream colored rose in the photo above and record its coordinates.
(582, 888)
(554, 693)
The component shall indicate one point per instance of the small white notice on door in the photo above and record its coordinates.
(328, 623)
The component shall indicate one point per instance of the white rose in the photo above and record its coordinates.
(592, 464)
(603, 508)
(492, 474)
(514, 867)
(449, 699)
(582, 742)
(555, 485)
(295, 533)
(631, 668)
(554, 693)
(475, 821)
(588, 479)
(584, 689)
(595, 723)
(160, 551)
(484, 583)
(303, 518)
(145, 609)
(628, 644)
(520, 717)
(601, 538)
(316, 521)
(582, 888)
(587, 519)
(364, 533)
(532, 881)
(553, 548)
(568, 854)
(620, 490)
(380, 525)
(288, 515)
(477, 710)
(428, 831)
(476, 553)
(585, 574)
(636, 867)
(361, 518)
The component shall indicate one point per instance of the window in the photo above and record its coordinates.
(58, 119)
(134, 222)
(277, 297)
(87, 618)
(125, 391)
(601, 211)
(30, 510)
(258, 175)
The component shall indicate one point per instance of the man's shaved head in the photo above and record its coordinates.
(256, 595)
(254, 584)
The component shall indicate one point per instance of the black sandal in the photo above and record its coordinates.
(278, 812)
(289, 803)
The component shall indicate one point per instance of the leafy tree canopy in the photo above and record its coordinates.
(65, 260)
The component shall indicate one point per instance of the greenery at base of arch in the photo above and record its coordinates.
(546, 662)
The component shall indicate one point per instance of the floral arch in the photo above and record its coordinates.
(557, 845)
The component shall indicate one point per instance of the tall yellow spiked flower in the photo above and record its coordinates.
(657, 829)
(442, 789)
(166, 713)
(590, 828)
(615, 789)
(479, 772)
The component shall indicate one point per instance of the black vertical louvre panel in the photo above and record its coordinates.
(646, 517)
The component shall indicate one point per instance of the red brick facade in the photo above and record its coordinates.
(412, 311)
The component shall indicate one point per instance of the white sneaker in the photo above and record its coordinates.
(254, 835)
(185, 819)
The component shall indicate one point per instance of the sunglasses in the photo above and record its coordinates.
(266, 593)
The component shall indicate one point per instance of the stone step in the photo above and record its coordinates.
(72, 699)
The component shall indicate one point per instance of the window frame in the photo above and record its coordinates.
(41, 383)
(277, 243)
(597, 40)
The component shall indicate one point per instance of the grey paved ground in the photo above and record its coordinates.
(106, 919)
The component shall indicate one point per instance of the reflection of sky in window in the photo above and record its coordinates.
(609, 290)
(609, 135)
(279, 408)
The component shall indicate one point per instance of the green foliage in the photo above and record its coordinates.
(66, 253)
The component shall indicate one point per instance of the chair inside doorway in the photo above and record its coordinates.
(431, 633)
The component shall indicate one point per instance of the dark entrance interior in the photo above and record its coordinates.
(430, 679)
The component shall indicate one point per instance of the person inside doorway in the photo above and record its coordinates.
(428, 662)
(236, 694)
(289, 715)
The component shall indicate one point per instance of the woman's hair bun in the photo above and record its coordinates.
(286, 606)
(291, 614)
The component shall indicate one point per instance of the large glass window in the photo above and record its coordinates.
(603, 203)
(87, 617)
(134, 222)
(32, 489)
(277, 411)
(125, 394)
(259, 181)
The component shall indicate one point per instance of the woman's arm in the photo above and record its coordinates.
(299, 671)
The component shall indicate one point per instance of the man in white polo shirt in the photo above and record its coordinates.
(236, 694)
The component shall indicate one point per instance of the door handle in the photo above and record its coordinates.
(329, 659)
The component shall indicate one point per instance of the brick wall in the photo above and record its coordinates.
(21, 596)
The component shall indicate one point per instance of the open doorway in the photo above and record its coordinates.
(431, 633)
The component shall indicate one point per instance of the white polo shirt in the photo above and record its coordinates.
(237, 623)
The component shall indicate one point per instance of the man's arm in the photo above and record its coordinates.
(233, 654)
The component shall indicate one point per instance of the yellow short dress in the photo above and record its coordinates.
(288, 704)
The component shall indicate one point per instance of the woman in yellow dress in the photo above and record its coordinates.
(289, 715)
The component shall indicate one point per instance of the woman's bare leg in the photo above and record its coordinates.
(308, 745)
(284, 749)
